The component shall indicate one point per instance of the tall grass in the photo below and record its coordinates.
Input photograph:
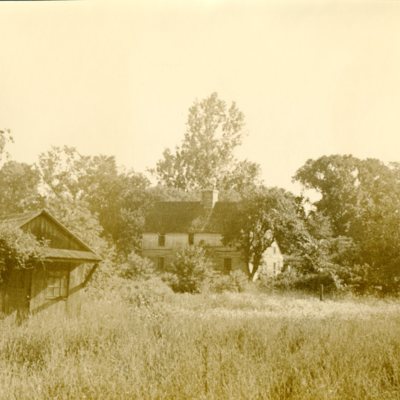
(206, 347)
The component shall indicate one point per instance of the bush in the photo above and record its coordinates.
(237, 281)
(190, 271)
(113, 274)
(136, 267)
(309, 282)
(145, 292)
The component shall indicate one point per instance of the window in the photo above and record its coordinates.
(161, 262)
(161, 240)
(274, 249)
(228, 264)
(191, 238)
(274, 268)
(57, 284)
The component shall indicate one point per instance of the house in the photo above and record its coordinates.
(172, 225)
(56, 282)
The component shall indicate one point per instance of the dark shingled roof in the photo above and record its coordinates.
(188, 216)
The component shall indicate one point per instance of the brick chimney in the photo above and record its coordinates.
(209, 198)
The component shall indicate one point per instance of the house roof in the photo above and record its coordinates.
(22, 220)
(188, 216)
(66, 254)
(19, 220)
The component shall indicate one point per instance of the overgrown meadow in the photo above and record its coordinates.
(145, 342)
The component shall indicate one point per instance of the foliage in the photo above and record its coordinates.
(361, 198)
(77, 218)
(136, 267)
(190, 270)
(310, 282)
(205, 158)
(19, 185)
(116, 199)
(119, 198)
(243, 176)
(18, 249)
(145, 293)
(235, 281)
(264, 215)
(19, 182)
(5, 139)
(167, 193)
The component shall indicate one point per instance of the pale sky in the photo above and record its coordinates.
(312, 77)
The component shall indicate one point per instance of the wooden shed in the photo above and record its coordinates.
(56, 282)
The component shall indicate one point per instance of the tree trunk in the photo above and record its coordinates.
(253, 271)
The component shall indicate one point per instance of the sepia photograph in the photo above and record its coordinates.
(200, 199)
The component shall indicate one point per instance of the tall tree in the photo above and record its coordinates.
(362, 200)
(19, 186)
(265, 215)
(335, 178)
(19, 182)
(95, 184)
(205, 157)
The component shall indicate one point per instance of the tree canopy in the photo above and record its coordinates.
(265, 215)
(206, 156)
(361, 198)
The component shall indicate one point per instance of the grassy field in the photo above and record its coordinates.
(226, 346)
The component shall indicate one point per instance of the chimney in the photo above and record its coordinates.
(209, 198)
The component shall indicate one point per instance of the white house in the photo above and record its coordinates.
(173, 225)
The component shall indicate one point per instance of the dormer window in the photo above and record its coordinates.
(161, 240)
(191, 238)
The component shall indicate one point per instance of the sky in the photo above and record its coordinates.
(312, 78)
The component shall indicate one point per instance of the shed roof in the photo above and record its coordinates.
(189, 216)
(22, 220)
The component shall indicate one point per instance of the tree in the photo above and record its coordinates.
(244, 177)
(265, 215)
(19, 186)
(335, 178)
(205, 158)
(362, 200)
(94, 187)
(5, 139)
(19, 182)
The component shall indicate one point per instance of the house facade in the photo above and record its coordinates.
(56, 282)
(171, 226)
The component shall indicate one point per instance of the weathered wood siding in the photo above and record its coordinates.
(55, 284)
(72, 302)
(77, 277)
(16, 291)
(43, 228)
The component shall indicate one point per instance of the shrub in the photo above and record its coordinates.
(144, 292)
(136, 267)
(309, 282)
(190, 270)
(18, 249)
(236, 281)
